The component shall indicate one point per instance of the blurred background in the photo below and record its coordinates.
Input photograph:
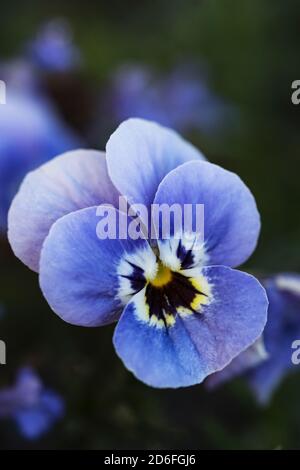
(220, 73)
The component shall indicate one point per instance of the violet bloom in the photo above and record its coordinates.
(182, 311)
(30, 134)
(34, 408)
(53, 48)
(181, 100)
(266, 364)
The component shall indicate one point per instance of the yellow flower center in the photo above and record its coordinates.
(163, 276)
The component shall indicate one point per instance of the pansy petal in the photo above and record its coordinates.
(231, 220)
(78, 269)
(140, 153)
(197, 344)
(72, 181)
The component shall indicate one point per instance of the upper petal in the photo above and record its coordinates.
(140, 153)
(78, 270)
(71, 181)
(231, 220)
(197, 344)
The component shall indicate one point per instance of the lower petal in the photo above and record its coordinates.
(196, 344)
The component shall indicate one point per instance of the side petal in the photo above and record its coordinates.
(78, 270)
(197, 344)
(69, 182)
(231, 220)
(140, 153)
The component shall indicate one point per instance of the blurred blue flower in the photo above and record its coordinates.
(30, 132)
(20, 76)
(182, 312)
(282, 329)
(181, 100)
(34, 408)
(248, 359)
(268, 361)
(53, 48)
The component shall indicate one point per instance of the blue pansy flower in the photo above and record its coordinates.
(53, 48)
(270, 360)
(34, 408)
(181, 99)
(30, 134)
(182, 311)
